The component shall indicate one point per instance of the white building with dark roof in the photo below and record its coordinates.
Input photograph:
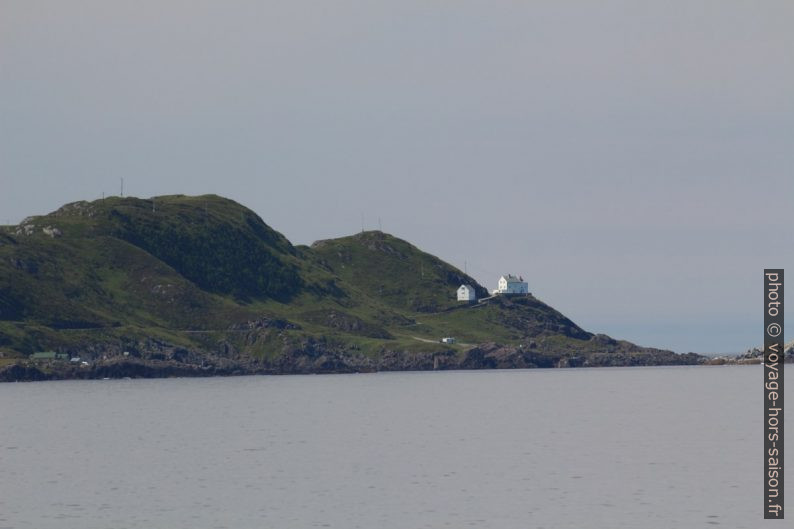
(510, 284)
(466, 293)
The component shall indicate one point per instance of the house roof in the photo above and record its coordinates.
(465, 285)
(510, 278)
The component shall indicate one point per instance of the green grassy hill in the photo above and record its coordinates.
(187, 285)
(393, 271)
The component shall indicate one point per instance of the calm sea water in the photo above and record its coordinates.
(579, 448)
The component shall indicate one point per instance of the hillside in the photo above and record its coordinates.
(201, 285)
(393, 271)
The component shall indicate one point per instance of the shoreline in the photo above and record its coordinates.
(484, 357)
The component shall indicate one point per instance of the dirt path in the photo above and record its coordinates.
(427, 340)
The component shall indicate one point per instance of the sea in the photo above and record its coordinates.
(639, 447)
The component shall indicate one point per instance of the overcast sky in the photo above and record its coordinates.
(632, 160)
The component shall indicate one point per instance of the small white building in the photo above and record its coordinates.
(466, 293)
(510, 284)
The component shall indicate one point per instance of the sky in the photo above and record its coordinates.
(632, 160)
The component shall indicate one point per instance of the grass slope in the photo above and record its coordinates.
(394, 271)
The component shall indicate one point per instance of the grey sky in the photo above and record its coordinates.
(633, 160)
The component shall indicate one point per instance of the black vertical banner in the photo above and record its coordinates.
(774, 356)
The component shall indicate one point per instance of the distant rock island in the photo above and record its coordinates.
(200, 286)
(753, 356)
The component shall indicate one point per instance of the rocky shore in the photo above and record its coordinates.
(753, 356)
(162, 361)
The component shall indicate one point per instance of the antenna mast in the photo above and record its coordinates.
(122, 186)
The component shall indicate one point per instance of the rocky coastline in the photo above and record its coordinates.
(162, 361)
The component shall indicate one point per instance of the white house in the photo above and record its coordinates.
(510, 284)
(466, 293)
